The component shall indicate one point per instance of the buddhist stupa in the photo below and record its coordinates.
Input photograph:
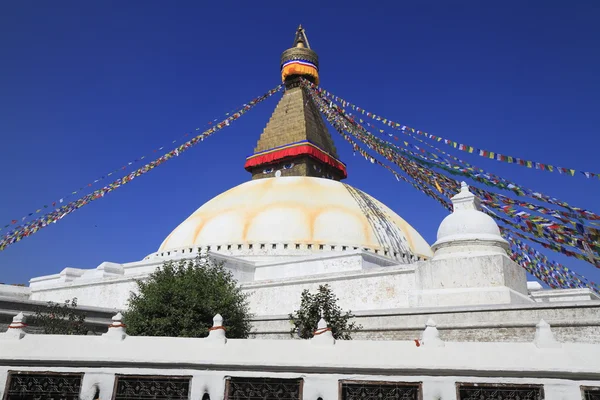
(294, 225)
(296, 176)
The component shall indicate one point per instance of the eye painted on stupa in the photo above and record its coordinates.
(288, 166)
(317, 168)
(268, 171)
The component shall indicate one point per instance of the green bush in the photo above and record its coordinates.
(181, 298)
(322, 304)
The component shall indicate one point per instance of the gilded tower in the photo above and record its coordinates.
(296, 141)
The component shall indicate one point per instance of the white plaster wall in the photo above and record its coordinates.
(308, 266)
(562, 295)
(327, 263)
(94, 287)
(472, 272)
(268, 281)
(381, 288)
(14, 291)
(109, 293)
(483, 279)
(465, 296)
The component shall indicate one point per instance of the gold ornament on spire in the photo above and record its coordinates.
(299, 61)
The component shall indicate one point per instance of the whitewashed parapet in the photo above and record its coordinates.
(378, 358)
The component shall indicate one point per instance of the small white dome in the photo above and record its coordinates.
(467, 228)
(468, 225)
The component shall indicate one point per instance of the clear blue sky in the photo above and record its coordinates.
(88, 86)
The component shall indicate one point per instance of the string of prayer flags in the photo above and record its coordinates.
(577, 236)
(582, 213)
(335, 115)
(559, 214)
(556, 277)
(54, 216)
(63, 200)
(490, 179)
(422, 154)
(460, 146)
(552, 273)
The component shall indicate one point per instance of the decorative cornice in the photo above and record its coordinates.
(293, 150)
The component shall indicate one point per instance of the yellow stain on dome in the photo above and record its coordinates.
(300, 210)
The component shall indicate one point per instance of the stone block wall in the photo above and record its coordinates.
(570, 322)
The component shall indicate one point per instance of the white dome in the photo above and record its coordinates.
(468, 224)
(466, 227)
(315, 213)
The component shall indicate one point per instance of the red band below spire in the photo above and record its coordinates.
(303, 148)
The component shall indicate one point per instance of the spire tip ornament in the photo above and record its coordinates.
(299, 61)
(296, 143)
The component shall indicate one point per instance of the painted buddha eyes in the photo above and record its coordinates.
(267, 171)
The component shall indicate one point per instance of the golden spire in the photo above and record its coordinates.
(295, 141)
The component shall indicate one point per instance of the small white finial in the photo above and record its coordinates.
(431, 335)
(19, 319)
(323, 334)
(465, 200)
(322, 324)
(544, 338)
(217, 320)
(117, 329)
(217, 332)
(16, 328)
